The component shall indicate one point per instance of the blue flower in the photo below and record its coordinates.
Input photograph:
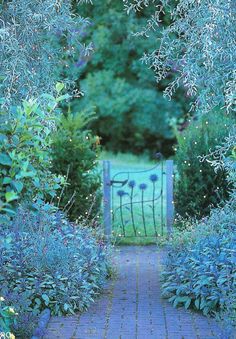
(158, 155)
(120, 193)
(153, 177)
(132, 183)
(143, 186)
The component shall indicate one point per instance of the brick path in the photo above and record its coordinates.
(132, 307)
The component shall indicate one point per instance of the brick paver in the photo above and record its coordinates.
(131, 306)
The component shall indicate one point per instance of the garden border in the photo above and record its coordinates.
(42, 324)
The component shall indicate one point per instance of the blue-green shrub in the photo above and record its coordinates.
(200, 271)
(51, 262)
(74, 153)
(198, 186)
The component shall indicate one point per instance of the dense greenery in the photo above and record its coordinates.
(24, 154)
(31, 50)
(74, 154)
(132, 114)
(48, 262)
(198, 186)
(201, 267)
(198, 46)
(45, 261)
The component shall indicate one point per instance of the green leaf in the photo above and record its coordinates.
(7, 180)
(24, 174)
(62, 97)
(10, 196)
(18, 185)
(197, 303)
(5, 159)
(59, 87)
(38, 301)
(46, 299)
(66, 306)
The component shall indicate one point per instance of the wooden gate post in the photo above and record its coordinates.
(169, 195)
(107, 200)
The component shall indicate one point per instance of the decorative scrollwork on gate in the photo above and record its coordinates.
(138, 202)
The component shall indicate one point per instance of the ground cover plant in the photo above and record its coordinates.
(201, 266)
(47, 262)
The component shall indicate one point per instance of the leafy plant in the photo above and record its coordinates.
(198, 185)
(198, 46)
(24, 153)
(7, 317)
(31, 46)
(74, 154)
(200, 270)
(54, 263)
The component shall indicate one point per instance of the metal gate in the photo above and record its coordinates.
(138, 203)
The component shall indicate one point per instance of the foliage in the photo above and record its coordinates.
(224, 157)
(7, 317)
(31, 50)
(50, 262)
(198, 45)
(75, 155)
(201, 267)
(198, 185)
(24, 153)
(132, 115)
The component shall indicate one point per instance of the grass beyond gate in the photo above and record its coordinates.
(129, 162)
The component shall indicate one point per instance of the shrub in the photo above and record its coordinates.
(201, 267)
(51, 262)
(25, 164)
(198, 185)
(75, 155)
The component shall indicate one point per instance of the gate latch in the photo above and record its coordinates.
(122, 182)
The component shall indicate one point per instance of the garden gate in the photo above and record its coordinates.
(138, 203)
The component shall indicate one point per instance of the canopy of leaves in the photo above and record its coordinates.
(30, 52)
(132, 114)
(199, 45)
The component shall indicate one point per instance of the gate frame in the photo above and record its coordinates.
(107, 200)
(107, 219)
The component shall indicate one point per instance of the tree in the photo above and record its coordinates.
(132, 114)
(200, 45)
(31, 36)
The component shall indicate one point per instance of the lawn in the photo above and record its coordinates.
(143, 221)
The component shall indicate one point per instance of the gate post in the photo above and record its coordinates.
(107, 200)
(169, 195)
